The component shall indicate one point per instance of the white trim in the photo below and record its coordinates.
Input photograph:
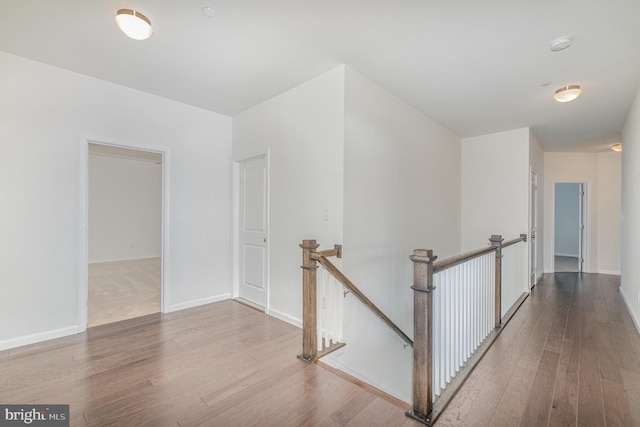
(39, 337)
(249, 154)
(532, 243)
(198, 302)
(267, 291)
(235, 229)
(83, 258)
(284, 317)
(83, 236)
(636, 321)
(611, 272)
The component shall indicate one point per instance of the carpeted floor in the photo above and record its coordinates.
(123, 290)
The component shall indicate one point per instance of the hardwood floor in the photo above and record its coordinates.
(563, 264)
(570, 356)
(223, 364)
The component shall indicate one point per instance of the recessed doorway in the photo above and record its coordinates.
(125, 228)
(569, 231)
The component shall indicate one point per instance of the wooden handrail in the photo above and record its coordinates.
(335, 272)
(522, 238)
(336, 252)
(459, 259)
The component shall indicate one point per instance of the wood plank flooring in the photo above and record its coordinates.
(569, 357)
(223, 364)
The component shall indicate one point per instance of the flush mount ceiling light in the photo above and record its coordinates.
(616, 147)
(567, 93)
(134, 24)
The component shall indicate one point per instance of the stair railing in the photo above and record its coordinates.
(310, 260)
(460, 306)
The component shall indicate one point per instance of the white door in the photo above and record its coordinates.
(533, 221)
(253, 230)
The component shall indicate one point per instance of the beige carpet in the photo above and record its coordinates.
(123, 290)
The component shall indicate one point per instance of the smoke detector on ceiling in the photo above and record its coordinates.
(208, 12)
(561, 43)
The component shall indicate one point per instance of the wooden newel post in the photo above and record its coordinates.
(422, 334)
(496, 242)
(309, 295)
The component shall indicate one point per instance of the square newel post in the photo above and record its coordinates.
(496, 242)
(309, 296)
(422, 335)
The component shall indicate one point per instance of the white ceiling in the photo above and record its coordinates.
(476, 67)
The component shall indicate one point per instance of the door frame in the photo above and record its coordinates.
(83, 262)
(586, 236)
(236, 161)
(533, 224)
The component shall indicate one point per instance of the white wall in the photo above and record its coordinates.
(401, 192)
(495, 187)
(125, 209)
(609, 212)
(567, 219)
(45, 114)
(599, 171)
(303, 129)
(630, 276)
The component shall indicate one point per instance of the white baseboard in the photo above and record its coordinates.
(613, 272)
(626, 302)
(284, 317)
(39, 337)
(198, 302)
(333, 361)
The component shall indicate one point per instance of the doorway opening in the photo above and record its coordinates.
(124, 233)
(569, 230)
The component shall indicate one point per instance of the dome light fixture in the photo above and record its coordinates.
(617, 147)
(134, 24)
(567, 93)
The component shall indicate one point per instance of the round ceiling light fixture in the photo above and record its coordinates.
(616, 147)
(134, 24)
(567, 93)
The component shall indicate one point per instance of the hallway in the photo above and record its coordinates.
(570, 356)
